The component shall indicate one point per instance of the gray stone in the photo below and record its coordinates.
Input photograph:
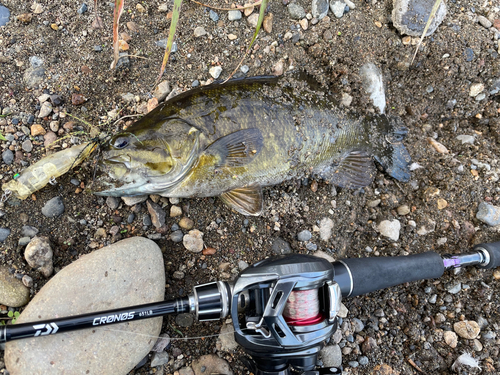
(296, 11)
(112, 202)
(466, 139)
(454, 287)
(390, 229)
(132, 201)
(129, 272)
(215, 71)
(35, 61)
(162, 90)
(304, 235)
(234, 15)
(27, 145)
(184, 320)
(226, 341)
(319, 8)
(8, 156)
(484, 21)
(357, 325)
(45, 110)
(159, 359)
(331, 356)
(211, 364)
(162, 343)
(53, 208)
(23, 241)
(363, 361)
(281, 247)
(177, 236)
(39, 255)
(337, 7)
(213, 16)
(242, 265)
(410, 16)
(488, 214)
(157, 213)
(4, 233)
(12, 293)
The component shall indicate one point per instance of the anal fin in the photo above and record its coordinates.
(355, 170)
(246, 200)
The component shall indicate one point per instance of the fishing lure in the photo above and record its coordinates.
(47, 169)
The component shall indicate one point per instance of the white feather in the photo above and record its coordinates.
(467, 360)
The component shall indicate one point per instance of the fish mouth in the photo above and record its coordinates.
(137, 181)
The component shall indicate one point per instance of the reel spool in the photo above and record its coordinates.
(290, 307)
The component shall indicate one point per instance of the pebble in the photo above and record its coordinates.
(184, 320)
(162, 90)
(23, 241)
(466, 139)
(475, 89)
(8, 156)
(331, 356)
(488, 214)
(296, 11)
(325, 228)
(112, 202)
(159, 359)
(186, 223)
(177, 236)
(337, 7)
(281, 247)
(357, 324)
(157, 213)
(12, 293)
(4, 15)
(454, 287)
(390, 229)
(199, 31)
(32, 77)
(213, 16)
(368, 345)
(437, 146)
(268, 23)
(244, 69)
(45, 110)
(4, 233)
(226, 341)
(410, 16)
(53, 208)
(49, 138)
(427, 228)
(193, 241)
(468, 329)
(132, 201)
(363, 361)
(178, 275)
(37, 129)
(211, 364)
(39, 255)
(233, 15)
(27, 281)
(319, 8)
(162, 343)
(29, 231)
(83, 8)
(215, 71)
(127, 273)
(304, 236)
(175, 211)
(242, 265)
(403, 210)
(484, 21)
(252, 20)
(469, 54)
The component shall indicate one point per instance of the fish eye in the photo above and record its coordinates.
(121, 142)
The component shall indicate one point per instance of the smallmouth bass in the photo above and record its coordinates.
(233, 139)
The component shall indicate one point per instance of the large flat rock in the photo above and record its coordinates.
(129, 272)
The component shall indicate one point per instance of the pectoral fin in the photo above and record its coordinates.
(245, 200)
(238, 148)
(355, 170)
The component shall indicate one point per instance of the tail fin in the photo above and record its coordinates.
(390, 151)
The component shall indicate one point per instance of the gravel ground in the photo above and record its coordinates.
(448, 98)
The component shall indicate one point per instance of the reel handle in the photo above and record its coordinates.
(493, 250)
(359, 276)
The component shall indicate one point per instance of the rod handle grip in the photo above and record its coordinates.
(493, 249)
(357, 276)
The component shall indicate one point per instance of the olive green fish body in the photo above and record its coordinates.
(231, 140)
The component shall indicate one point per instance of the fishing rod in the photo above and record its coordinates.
(282, 308)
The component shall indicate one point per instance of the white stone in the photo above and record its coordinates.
(390, 229)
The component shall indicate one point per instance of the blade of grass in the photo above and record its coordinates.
(171, 33)
(263, 7)
(431, 18)
(119, 4)
(2, 138)
(257, 3)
